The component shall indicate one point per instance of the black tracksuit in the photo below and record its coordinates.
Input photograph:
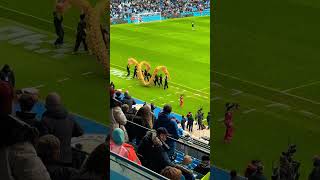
(59, 29)
(81, 36)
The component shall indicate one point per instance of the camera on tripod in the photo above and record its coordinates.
(290, 152)
(288, 168)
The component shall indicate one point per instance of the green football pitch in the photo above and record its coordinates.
(79, 79)
(266, 58)
(172, 43)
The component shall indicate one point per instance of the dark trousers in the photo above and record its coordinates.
(80, 40)
(60, 34)
(128, 72)
(135, 74)
(165, 86)
(183, 126)
(190, 127)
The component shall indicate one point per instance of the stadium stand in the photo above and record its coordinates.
(124, 11)
(43, 141)
(188, 152)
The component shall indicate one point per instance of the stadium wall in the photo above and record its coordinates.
(145, 19)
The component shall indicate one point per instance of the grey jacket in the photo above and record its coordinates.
(20, 162)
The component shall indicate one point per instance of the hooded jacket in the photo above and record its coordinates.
(61, 124)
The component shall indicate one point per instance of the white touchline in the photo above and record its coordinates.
(236, 92)
(39, 86)
(61, 80)
(29, 15)
(309, 114)
(248, 111)
(304, 85)
(268, 88)
(86, 73)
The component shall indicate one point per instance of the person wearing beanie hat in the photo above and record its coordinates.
(118, 136)
(118, 146)
(61, 124)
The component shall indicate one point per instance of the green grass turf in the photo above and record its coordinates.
(274, 44)
(171, 43)
(84, 95)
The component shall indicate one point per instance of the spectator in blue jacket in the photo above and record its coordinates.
(166, 120)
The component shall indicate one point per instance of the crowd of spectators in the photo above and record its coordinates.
(40, 149)
(126, 8)
(255, 171)
(149, 141)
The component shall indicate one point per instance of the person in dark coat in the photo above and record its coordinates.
(166, 120)
(57, 21)
(7, 75)
(97, 165)
(153, 150)
(208, 119)
(258, 175)
(160, 80)
(166, 83)
(128, 70)
(135, 72)
(315, 173)
(156, 80)
(61, 124)
(18, 156)
(118, 96)
(190, 123)
(48, 149)
(233, 175)
(127, 99)
(81, 34)
(204, 167)
(183, 122)
(26, 103)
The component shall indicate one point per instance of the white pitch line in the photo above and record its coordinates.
(248, 111)
(169, 95)
(215, 98)
(278, 105)
(236, 92)
(308, 114)
(39, 86)
(221, 119)
(26, 14)
(268, 88)
(86, 73)
(304, 85)
(216, 84)
(61, 80)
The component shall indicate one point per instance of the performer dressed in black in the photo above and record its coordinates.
(156, 79)
(105, 35)
(57, 21)
(160, 83)
(81, 34)
(128, 70)
(135, 72)
(145, 73)
(165, 83)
